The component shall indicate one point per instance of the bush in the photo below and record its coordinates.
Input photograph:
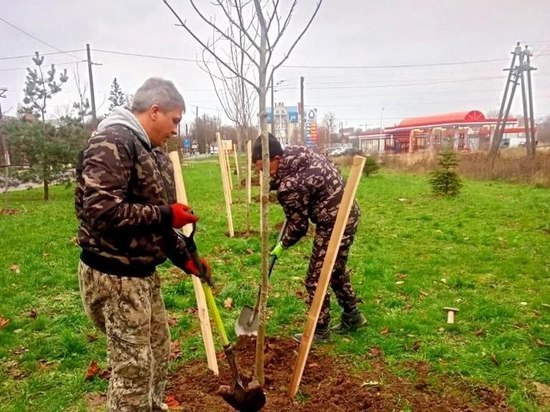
(371, 166)
(445, 181)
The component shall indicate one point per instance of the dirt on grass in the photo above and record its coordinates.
(330, 383)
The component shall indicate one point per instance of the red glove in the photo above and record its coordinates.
(202, 273)
(182, 215)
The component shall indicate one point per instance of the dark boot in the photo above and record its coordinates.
(321, 335)
(350, 321)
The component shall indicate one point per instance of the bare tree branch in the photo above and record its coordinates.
(206, 46)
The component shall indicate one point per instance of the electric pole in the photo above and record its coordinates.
(5, 152)
(3, 91)
(516, 75)
(92, 94)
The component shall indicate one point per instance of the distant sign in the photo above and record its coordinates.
(293, 114)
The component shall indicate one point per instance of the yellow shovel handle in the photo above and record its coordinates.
(211, 303)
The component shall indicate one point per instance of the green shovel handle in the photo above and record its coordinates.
(211, 303)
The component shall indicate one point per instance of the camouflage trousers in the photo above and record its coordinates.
(130, 311)
(340, 281)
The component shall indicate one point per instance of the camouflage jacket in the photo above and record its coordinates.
(309, 187)
(123, 193)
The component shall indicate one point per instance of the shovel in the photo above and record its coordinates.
(244, 400)
(248, 321)
(251, 399)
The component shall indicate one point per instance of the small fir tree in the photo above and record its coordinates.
(444, 180)
(371, 166)
(39, 88)
(117, 96)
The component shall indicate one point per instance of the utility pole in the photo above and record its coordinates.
(197, 129)
(302, 112)
(5, 152)
(272, 105)
(516, 74)
(92, 94)
(3, 91)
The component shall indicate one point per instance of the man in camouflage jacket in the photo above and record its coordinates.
(127, 212)
(310, 188)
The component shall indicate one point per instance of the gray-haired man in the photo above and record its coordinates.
(125, 204)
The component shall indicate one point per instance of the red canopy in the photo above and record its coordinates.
(458, 117)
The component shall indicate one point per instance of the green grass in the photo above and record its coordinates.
(486, 252)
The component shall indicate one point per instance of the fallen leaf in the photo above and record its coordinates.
(541, 343)
(172, 402)
(480, 332)
(95, 402)
(401, 275)
(228, 303)
(105, 374)
(416, 346)
(172, 321)
(375, 352)
(384, 331)
(44, 364)
(4, 322)
(370, 383)
(33, 314)
(313, 365)
(92, 371)
(15, 268)
(175, 350)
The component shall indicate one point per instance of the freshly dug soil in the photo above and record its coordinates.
(330, 384)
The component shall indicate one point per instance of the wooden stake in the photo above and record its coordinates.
(226, 188)
(326, 271)
(248, 182)
(228, 164)
(237, 165)
(202, 309)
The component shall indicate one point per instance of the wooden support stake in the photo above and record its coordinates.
(248, 182)
(228, 164)
(237, 165)
(202, 309)
(326, 271)
(225, 184)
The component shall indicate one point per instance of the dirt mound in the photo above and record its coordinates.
(330, 384)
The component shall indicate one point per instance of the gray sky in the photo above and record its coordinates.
(335, 56)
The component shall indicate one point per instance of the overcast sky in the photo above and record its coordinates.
(411, 44)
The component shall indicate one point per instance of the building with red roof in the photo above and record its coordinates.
(465, 131)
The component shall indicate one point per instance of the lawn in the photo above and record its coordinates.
(486, 252)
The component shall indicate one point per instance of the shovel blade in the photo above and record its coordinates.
(247, 323)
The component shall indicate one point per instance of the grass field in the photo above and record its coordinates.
(486, 252)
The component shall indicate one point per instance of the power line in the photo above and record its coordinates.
(145, 55)
(398, 66)
(35, 38)
(56, 64)
(466, 62)
(42, 54)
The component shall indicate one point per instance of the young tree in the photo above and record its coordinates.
(263, 24)
(48, 152)
(117, 96)
(445, 181)
(39, 88)
(82, 106)
(329, 122)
